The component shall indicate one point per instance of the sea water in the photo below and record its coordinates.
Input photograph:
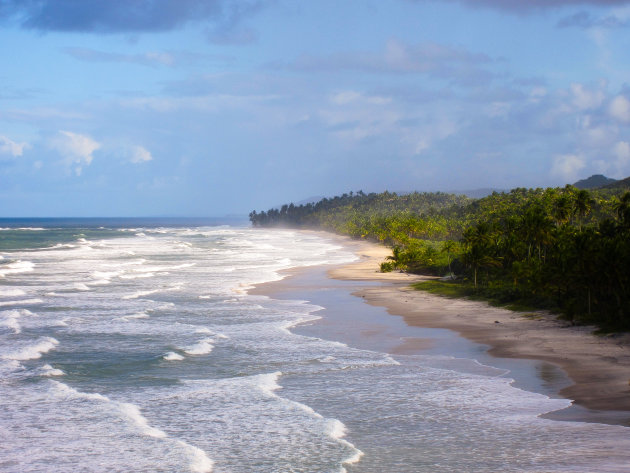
(134, 346)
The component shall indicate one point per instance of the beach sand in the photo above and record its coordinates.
(598, 367)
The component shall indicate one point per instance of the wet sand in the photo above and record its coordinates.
(540, 352)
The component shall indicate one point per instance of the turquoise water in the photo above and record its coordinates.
(134, 346)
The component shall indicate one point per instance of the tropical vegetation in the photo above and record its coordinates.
(565, 249)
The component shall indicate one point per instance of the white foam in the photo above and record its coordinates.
(172, 356)
(100, 282)
(200, 462)
(10, 292)
(268, 383)
(81, 287)
(337, 430)
(48, 370)
(21, 302)
(10, 319)
(132, 412)
(11, 323)
(16, 267)
(137, 276)
(204, 330)
(33, 352)
(62, 245)
(138, 294)
(9, 367)
(139, 315)
(202, 347)
(105, 275)
(207, 331)
(166, 306)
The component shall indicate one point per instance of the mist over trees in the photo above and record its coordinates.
(565, 249)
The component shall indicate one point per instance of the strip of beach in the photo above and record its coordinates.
(597, 367)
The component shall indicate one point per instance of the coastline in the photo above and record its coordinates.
(598, 367)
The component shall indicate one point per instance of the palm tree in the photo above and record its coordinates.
(537, 229)
(448, 247)
(396, 257)
(562, 210)
(622, 207)
(477, 257)
(583, 204)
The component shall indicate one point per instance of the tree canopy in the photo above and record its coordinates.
(559, 248)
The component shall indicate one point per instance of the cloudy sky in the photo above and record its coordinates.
(212, 107)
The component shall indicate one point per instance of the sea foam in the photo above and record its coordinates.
(172, 356)
(21, 302)
(16, 267)
(138, 294)
(32, 352)
(10, 292)
(48, 370)
(202, 347)
(9, 319)
(199, 461)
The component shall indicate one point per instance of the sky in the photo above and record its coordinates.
(216, 107)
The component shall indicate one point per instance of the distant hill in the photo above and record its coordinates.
(595, 181)
(619, 185)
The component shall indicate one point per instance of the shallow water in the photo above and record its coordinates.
(136, 347)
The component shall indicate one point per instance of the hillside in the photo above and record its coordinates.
(621, 185)
(594, 182)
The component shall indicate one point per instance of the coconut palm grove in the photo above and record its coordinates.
(563, 249)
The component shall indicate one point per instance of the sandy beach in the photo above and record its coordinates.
(598, 366)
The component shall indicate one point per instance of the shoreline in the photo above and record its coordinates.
(597, 367)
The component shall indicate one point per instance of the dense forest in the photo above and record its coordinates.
(564, 249)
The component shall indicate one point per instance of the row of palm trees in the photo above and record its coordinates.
(552, 258)
(561, 248)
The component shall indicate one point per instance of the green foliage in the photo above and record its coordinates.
(387, 267)
(386, 217)
(556, 248)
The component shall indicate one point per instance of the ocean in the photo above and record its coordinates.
(134, 346)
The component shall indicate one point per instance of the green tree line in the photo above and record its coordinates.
(559, 248)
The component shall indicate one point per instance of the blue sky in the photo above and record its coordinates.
(214, 107)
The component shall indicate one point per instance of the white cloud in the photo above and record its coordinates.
(586, 99)
(620, 108)
(622, 152)
(140, 154)
(537, 94)
(350, 96)
(567, 166)
(75, 149)
(13, 148)
(347, 96)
